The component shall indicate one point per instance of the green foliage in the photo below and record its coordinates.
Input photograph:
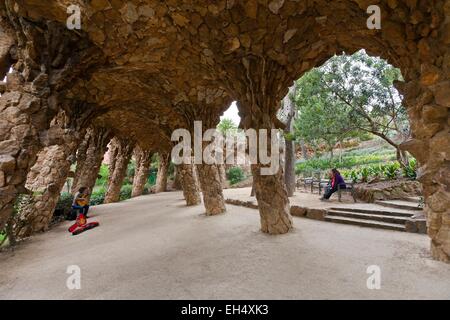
(289, 136)
(97, 197)
(65, 202)
(364, 174)
(347, 162)
(125, 192)
(235, 175)
(151, 180)
(104, 174)
(227, 126)
(387, 171)
(348, 96)
(171, 170)
(410, 171)
(391, 171)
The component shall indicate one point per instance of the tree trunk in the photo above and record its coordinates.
(124, 149)
(211, 184)
(189, 184)
(304, 150)
(163, 170)
(289, 162)
(90, 157)
(143, 162)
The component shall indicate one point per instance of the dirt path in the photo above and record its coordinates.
(153, 247)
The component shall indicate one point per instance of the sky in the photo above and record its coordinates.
(232, 113)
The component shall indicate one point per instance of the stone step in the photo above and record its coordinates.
(376, 212)
(399, 204)
(366, 223)
(365, 216)
(415, 200)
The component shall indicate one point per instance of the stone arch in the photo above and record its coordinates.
(162, 55)
(414, 37)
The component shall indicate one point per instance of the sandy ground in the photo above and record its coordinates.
(153, 247)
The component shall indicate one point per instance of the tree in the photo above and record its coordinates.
(352, 93)
(227, 125)
(320, 118)
(287, 114)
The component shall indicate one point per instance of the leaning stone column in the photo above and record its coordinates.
(143, 162)
(124, 149)
(211, 184)
(89, 157)
(161, 179)
(45, 68)
(189, 184)
(47, 177)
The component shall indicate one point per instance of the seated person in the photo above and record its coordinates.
(80, 201)
(336, 180)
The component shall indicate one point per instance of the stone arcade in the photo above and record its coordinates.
(144, 68)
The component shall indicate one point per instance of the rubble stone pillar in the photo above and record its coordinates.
(47, 177)
(124, 149)
(428, 102)
(49, 57)
(189, 184)
(89, 158)
(211, 184)
(143, 162)
(163, 170)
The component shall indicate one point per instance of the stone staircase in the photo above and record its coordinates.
(399, 215)
(407, 204)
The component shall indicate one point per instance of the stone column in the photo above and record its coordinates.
(163, 170)
(211, 185)
(49, 58)
(124, 149)
(143, 162)
(270, 190)
(189, 184)
(222, 175)
(89, 157)
(47, 177)
(428, 102)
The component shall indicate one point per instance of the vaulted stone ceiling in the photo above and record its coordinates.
(166, 57)
(146, 67)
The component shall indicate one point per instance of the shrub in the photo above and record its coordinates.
(235, 175)
(365, 174)
(64, 204)
(97, 197)
(410, 171)
(103, 175)
(391, 170)
(125, 192)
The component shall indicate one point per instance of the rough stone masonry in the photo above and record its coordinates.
(147, 67)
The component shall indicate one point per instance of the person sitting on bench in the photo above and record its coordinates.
(336, 181)
(80, 201)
